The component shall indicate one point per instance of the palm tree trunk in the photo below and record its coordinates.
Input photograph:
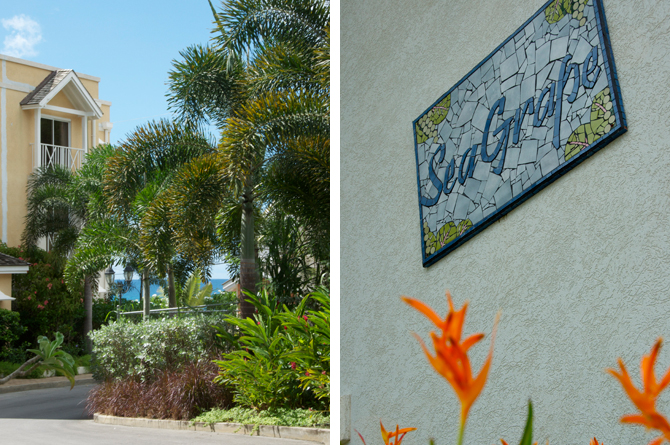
(88, 308)
(172, 295)
(147, 298)
(248, 276)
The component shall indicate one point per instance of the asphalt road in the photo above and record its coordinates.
(57, 416)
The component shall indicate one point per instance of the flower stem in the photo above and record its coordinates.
(460, 432)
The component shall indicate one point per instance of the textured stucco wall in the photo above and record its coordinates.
(581, 270)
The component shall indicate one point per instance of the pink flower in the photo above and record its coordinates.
(81, 299)
(305, 317)
(307, 373)
(30, 298)
(285, 327)
(258, 323)
(293, 365)
(49, 285)
(35, 292)
(39, 306)
(47, 278)
(46, 302)
(61, 281)
(21, 258)
(323, 372)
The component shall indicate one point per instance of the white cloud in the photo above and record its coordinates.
(25, 34)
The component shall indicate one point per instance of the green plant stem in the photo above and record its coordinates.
(461, 432)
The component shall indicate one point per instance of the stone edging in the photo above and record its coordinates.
(4, 389)
(283, 432)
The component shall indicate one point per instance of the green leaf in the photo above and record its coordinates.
(527, 438)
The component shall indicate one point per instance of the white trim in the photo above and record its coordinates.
(44, 67)
(93, 133)
(56, 118)
(71, 78)
(103, 102)
(13, 269)
(84, 134)
(38, 135)
(6, 83)
(3, 160)
(24, 88)
(64, 110)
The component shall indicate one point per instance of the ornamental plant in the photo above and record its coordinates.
(126, 350)
(50, 357)
(450, 360)
(45, 303)
(645, 399)
(281, 356)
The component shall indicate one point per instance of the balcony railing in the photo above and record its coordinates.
(67, 157)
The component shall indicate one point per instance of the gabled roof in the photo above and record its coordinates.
(9, 264)
(45, 87)
(68, 82)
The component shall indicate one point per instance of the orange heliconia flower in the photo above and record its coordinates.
(594, 441)
(645, 400)
(399, 434)
(451, 360)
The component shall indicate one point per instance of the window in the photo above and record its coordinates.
(54, 141)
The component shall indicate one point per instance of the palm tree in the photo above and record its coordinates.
(60, 204)
(137, 179)
(265, 84)
(135, 228)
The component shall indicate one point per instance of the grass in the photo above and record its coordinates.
(279, 416)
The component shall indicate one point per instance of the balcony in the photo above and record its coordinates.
(67, 157)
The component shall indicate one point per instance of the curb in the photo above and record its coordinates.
(4, 389)
(283, 432)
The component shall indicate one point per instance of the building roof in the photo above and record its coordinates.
(11, 265)
(45, 87)
(69, 83)
(7, 260)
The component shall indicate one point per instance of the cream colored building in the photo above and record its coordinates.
(48, 116)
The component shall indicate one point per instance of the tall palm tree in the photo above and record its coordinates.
(60, 204)
(265, 84)
(135, 181)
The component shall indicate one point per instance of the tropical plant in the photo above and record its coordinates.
(133, 228)
(48, 356)
(192, 294)
(451, 360)
(60, 204)
(309, 333)
(265, 84)
(262, 370)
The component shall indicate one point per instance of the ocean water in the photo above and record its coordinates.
(134, 293)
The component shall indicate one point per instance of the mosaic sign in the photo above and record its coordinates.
(538, 105)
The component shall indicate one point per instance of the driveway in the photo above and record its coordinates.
(57, 416)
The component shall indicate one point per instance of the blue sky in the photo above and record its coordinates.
(130, 45)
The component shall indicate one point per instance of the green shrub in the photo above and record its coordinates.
(11, 330)
(263, 371)
(125, 350)
(42, 298)
(279, 416)
(310, 335)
